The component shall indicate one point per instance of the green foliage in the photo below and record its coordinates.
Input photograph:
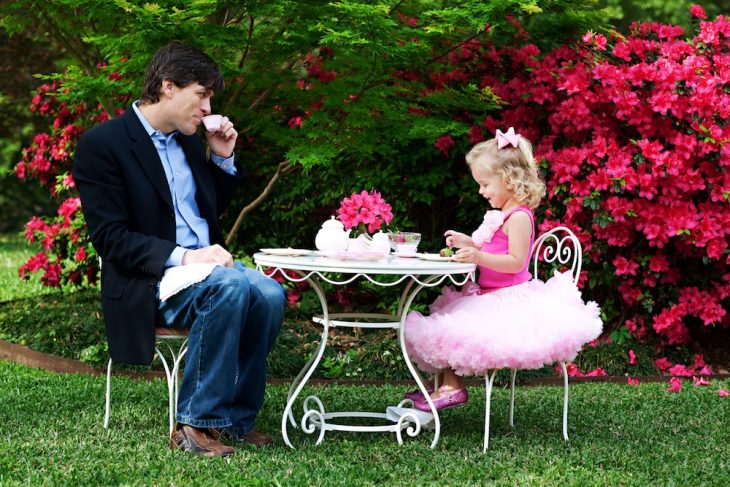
(613, 358)
(62, 324)
(668, 11)
(324, 85)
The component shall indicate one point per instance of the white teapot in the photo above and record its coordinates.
(380, 244)
(332, 237)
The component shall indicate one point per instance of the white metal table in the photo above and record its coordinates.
(416, 273)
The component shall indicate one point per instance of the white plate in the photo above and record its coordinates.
(288, 251)
(407, 256)
(435, 257)
(347, 255)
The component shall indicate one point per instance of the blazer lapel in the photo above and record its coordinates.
(196, 161)
(147, 156)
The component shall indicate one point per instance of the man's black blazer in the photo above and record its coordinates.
(131, 220)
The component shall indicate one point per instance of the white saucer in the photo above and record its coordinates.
(405, 256)
(287, 251)
(435, 257)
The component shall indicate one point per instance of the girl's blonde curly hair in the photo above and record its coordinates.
(515, 166)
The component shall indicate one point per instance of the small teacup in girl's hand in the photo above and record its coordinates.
(212, 122)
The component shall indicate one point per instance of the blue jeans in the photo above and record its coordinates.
(234, 316)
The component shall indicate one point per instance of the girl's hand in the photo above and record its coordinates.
(458, 239)
(468, 254)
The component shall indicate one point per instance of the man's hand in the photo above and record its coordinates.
(215, 254)
(223, 140)
(458, 239)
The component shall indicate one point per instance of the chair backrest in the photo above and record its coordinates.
(559, 247)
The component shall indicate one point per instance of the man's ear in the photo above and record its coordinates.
(167, 88)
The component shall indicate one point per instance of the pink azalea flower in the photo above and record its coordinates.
(632, 357)
(699, 360)
(632, 382)
(444, 144)
(700, 381)
(723, 393)
(663, 363)
(705, 371)
(367, 211)
(675, 385)
(624, 266)
(597, 372)
(681, 371)
(698, 11)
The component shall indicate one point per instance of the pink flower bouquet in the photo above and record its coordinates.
(365, 212)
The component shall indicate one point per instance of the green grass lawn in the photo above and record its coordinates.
(620, 435)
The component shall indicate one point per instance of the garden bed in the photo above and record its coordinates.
(70, 326)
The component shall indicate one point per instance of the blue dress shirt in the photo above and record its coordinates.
(191, 230)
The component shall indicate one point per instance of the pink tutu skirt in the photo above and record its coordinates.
(525, 326)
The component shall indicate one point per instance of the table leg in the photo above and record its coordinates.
(308, 369)
(402, 337)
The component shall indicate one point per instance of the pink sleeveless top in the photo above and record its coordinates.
(489, 279)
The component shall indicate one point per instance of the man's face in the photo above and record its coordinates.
(186, 106)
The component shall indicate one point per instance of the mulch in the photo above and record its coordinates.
(31, 358)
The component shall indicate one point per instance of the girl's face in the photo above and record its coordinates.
(493, 189)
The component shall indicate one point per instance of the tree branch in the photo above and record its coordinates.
(244, 57)
(284, 167)
(395, 7)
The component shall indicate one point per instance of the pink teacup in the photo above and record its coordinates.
(212, 122)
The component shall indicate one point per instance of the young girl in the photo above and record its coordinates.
(507, 320)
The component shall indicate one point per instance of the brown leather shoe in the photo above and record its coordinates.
(255, 438)
(198, 442)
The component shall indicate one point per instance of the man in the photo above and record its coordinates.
(151, 201)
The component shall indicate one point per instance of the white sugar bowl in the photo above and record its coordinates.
(332, 237)
(380, 244)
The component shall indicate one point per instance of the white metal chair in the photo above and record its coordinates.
(166, 335)
(559, 247)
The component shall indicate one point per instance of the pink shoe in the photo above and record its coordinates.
(416, 394)
(449, 398)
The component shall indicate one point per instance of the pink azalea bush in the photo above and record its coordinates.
(632, 135)
(364, 211)
(67, 256)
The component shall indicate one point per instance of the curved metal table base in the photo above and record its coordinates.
(316, 419)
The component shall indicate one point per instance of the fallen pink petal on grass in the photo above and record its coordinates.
(632, 382)
(723, 393)
(675, 384)
(700, 381)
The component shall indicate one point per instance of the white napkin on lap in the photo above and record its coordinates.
(175, 279)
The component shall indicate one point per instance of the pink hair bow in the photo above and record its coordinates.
(509, 138)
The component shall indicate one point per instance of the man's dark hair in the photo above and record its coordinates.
(183, 65)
